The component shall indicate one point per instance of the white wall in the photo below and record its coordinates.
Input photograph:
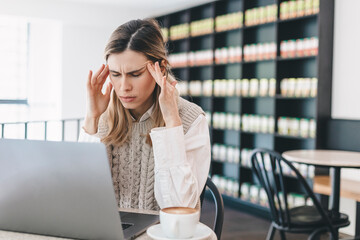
(346, 74)
(346, 81)
(83, 50)
(85, 30)
(72, 13)
(44, 79)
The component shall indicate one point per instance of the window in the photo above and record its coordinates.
(14, 48)
(30, 69)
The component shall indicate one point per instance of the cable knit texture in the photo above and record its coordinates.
(132, 164)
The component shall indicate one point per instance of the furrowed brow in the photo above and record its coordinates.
(136, 70)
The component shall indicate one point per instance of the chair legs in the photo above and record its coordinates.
(316, 235)
(271, 232)
(336, 233)
(282, 234)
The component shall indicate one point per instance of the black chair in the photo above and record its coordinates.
(314, 220)
(219, 206)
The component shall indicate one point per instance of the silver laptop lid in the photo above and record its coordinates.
(58, 189)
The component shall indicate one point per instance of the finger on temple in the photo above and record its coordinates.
(158, 70)
(104, 74)
(164, 81)
(108, 89)
(88, 83)
(153, 73)
(93, 80)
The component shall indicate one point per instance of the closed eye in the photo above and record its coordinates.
(136, 74)
(115, 74)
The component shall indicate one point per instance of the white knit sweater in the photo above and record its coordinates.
(132, 164)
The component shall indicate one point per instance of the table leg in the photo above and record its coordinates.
(357, 220)
(335, 193)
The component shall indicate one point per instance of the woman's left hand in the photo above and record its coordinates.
(167, 97)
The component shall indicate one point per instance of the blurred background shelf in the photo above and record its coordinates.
(236, 33)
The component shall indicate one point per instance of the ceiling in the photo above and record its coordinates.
(153, 7)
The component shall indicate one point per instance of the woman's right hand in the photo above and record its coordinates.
(97, 102)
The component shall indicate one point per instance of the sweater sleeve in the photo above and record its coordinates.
(182, 163)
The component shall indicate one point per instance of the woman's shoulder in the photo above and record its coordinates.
(185, 106)
(188, 112)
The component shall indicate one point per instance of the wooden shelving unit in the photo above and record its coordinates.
(319, 25)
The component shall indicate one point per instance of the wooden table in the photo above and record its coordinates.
(335, 160)
(6, 235)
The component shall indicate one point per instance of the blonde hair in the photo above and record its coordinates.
(143, 36)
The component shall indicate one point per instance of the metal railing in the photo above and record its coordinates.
(44, 133)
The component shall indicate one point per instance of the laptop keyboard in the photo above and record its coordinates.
(126, 225)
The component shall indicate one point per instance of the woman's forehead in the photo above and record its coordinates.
(127, 61)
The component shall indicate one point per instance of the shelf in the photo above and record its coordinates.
(278, 68)
(226, 31)
(245, 132)
(349, 188)
(233, 130)
(247, 206)
(281, 59)
(225, 162)
(248, 27)
(226, 96)
(293, 137)
(279, 97)
(189, 96)
(200, 66)
(258, 97)
(297, 18)
(246, 167)
(226, 64)
(175, 68)
(176, 40)
(202, 35)
(259, 61)
(196, 66)
(247, 203)
(284, 175)
(254, 98)
(258, 25)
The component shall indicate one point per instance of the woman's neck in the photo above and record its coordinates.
(137, 115)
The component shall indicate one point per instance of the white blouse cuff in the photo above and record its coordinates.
(168, 146)
(85, 137)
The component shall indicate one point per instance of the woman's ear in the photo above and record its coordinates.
(163, 67)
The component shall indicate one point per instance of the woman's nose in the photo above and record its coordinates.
(125, 84)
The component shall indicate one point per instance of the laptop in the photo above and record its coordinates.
(62, 189)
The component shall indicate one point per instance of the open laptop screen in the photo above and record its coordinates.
(57, 189)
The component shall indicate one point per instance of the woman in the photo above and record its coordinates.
(158, 143)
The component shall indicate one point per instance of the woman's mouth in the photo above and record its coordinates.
(127, 99)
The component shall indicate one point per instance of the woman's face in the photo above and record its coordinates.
(133, 84)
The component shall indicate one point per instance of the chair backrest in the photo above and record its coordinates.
(219, 206)
(269, 167)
